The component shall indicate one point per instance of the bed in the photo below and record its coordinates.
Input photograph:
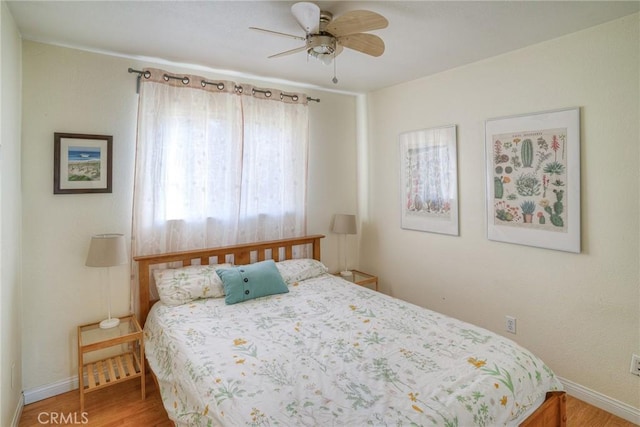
(324, 351)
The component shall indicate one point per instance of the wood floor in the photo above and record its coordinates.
(121, 405)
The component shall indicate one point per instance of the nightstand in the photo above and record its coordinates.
(110, 356)
(362, 279)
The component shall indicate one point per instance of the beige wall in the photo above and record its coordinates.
(579, 312)
(10, 221)
(67, 90)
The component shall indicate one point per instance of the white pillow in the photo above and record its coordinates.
(177, 286)
(296, 270)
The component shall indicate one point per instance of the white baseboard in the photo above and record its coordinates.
(50, 390)
(18, 412)
(601, 401)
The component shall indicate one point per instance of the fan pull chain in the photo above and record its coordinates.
(334, 79)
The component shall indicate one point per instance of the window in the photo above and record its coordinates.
(217, 167)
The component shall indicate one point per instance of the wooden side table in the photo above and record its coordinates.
(110, 356)
(362, 279)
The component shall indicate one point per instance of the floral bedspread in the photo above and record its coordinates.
(330, 353)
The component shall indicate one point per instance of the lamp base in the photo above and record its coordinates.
(346, 273)
(109, 323)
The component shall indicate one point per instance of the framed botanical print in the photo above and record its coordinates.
(429, 180)
(533, 179)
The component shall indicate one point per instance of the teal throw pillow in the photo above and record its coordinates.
(250, 281)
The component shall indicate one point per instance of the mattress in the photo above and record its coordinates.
(331, 353)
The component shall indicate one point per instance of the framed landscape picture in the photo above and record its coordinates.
(82, 163)
(533, 179)
(429, 180)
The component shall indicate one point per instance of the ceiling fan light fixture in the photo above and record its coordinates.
(325, 37)
(325, 58)
(321, 47)
(321, 44)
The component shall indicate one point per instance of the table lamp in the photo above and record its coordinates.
(344, 224)
(107, 250)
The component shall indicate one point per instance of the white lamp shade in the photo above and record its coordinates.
(107, 250)
(344, 224)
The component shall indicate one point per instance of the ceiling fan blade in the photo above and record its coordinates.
(308, 16)
(289, 52)
(356, 21)
(277, 33)
(365, 43)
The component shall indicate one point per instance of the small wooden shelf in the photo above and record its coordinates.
(105, 372)
(110, 356)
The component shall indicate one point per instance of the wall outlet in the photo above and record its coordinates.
(635, 365)
(510, 324)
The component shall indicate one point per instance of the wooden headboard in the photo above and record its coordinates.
(278, 250)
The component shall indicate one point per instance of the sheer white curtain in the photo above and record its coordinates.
(273, 196)
(217, 164)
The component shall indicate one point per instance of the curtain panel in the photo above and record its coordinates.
(217, 163)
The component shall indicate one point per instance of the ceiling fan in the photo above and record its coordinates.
(325, 37)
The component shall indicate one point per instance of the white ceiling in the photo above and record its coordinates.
(423, 37)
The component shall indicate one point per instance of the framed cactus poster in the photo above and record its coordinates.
(533, 179)
(429, 180)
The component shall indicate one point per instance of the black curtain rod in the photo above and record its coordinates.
(220, 86)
